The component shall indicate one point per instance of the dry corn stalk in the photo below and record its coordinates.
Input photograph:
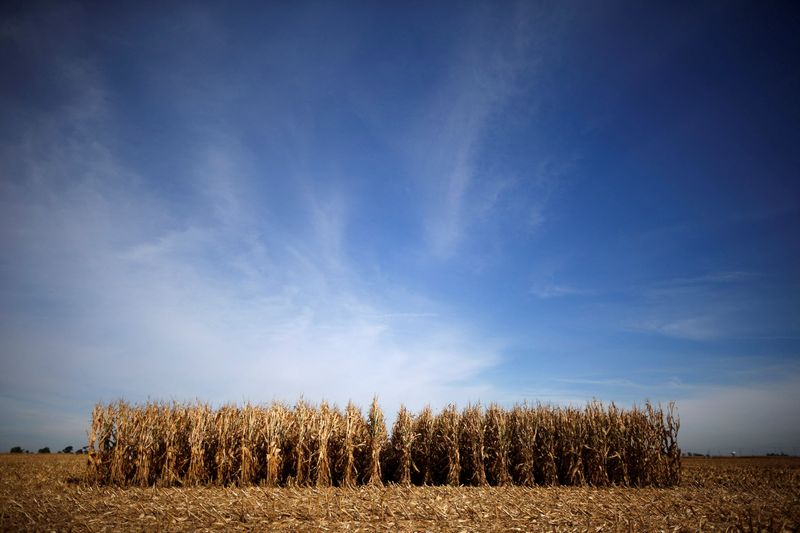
(498, 446)
(325, 425)
(402, 440)
(422, 448)
(472, 446)
(522, 434)
(200, 423)
(546, 472)
(276, 421)
(354, 437)
(300, 443)
(446, 453)
(376, 432)
(177, 444)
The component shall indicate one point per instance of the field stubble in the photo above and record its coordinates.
(50, 493)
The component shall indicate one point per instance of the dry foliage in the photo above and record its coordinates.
(175, 444)
(50, 493)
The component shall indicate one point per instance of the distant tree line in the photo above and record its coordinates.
(46, 449)
(733, 454)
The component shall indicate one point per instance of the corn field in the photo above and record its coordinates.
(161, 444)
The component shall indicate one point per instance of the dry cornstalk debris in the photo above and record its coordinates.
(160, 444)
(48, 492)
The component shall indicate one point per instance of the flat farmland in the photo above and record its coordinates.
(48, 492)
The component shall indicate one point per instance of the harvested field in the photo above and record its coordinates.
(49, 492)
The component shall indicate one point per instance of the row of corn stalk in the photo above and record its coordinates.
(306, 445)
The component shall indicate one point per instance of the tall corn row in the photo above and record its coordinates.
(176, 435)
(276, 423)
(123, 455)
(148, 436)
(178, 444)
(472, 446)
(325, 426)
(102, 444)
(522, 431)
(596, 444)
(670, 447)
(300, 444)
(354, 436)
(422, 448)
(377, 440)
(570, 438)
(446, 441)
(402, 440)
(545, 421)
(200, 455)
(228, 429)
(617, 459)
(251, 424)
(498, 446)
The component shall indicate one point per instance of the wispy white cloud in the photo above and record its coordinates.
(694, 328)
(485, 75)
(603, 382)
(546, 291)
(203, 309)
(709, 306)
(709, 279)
(111, 290)
(448, 161)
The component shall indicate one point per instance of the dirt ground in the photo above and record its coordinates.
(47, 492)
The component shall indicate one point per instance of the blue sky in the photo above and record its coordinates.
(434, 202)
